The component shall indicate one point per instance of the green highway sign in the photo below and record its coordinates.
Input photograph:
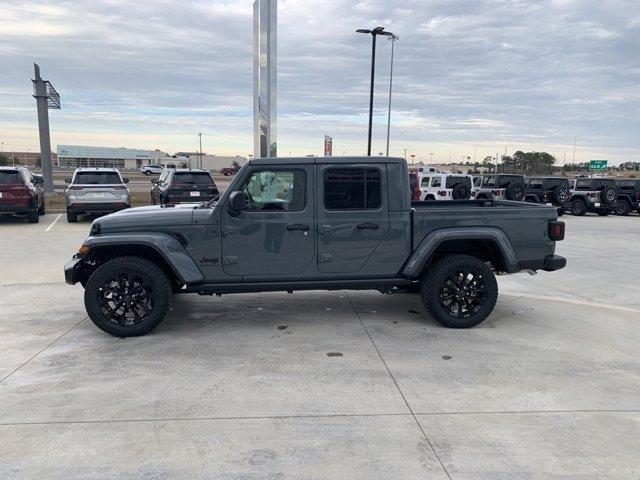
(598, 165)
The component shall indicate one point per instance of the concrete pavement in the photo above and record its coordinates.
(325, 384)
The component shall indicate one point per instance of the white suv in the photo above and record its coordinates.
(152, 169)
(96, 190)
(444, 186)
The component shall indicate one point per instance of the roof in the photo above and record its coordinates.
(197, 170)
(97, 169)
(321, 160)
(9, 167)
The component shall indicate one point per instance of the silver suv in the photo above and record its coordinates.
(96, 190)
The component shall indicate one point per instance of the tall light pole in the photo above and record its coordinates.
(475, 152)
(374, 34)
(575, 140)
(393, 39)
(200, 137)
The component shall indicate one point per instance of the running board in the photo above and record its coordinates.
(255, 287)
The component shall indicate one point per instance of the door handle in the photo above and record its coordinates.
(367, 226)
(299, 227)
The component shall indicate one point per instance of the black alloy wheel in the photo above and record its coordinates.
(459, 291)
(578, 208)
(127, 296)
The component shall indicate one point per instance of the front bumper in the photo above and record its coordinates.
(72, 270)
(550, 263)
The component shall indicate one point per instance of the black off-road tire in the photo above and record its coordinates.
(515, 191)
(34, 215)
(560, 195)
(72, 217)
(578, 207)
(435, 288)
(460, 191)
(622, 208)
(608, 196)
(133, 267)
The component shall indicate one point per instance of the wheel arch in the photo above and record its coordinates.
(163, 249)
(485, 243)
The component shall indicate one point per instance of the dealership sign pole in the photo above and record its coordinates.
(265, 89)
(46, 98)
(328, 146)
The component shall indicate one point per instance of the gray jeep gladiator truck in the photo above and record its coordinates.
(331, 223)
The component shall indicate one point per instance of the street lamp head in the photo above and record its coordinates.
(363, 30)
(378, 29)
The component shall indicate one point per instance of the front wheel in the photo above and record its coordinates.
(127, 296)
(622, 208)
(459, 291)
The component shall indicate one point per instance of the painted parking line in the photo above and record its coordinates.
(55, 220)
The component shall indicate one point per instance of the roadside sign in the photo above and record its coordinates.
(328, 146)
(598, 165)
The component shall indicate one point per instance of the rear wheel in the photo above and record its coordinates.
(622, 208)
(72, 217)
(459, 291)
(147, 172)
(578, 208)
(34, 215)
(127, 296)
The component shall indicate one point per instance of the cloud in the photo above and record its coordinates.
(471, 72)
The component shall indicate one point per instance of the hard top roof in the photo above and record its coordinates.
(323, 160)
(96, 169)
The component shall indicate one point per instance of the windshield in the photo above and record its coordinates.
(9, 176)
(193, 178)
(97, 178)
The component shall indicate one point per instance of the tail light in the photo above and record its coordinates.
(442, 193)
(593, 195)
(495, 192)
(638, 196)
(556, 230)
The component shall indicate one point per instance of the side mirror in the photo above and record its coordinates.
(154, 182)
(125, 180)
(237, 203)
(67, 180)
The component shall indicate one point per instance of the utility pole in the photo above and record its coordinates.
(374, 34)
(200, 137)
(575, 140)
(393, 39)
(46, 97)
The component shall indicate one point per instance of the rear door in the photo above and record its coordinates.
(353, 215)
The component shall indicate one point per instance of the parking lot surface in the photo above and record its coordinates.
(325, 384)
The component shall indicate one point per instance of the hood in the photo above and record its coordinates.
(142, 217)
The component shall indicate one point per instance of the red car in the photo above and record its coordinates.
(226, 171)
(21, 193)
(414, 185)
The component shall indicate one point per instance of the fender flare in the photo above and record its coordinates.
(433, 240)
(167, 246)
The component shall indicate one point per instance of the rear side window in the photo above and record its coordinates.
(583, 185)
(193, 178)
(489, 181)
(535, 184)
(97, 178)
(10, 176)
(451, 181)
(425, 182)
(352, 188)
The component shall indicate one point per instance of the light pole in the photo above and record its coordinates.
(475, 152)
(431, 154)
(200, 137)
(393, 39)
(575, 140)
(374, 34)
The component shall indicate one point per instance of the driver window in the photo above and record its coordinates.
(276, 190)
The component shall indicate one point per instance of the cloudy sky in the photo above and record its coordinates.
(520, 74)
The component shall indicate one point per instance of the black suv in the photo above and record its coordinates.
(183, 186)
(501, 187)
(597, 195)
(548, 190)
(21, 193)
(628, 195)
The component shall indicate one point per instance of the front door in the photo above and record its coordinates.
(274, 235)
(353, 215)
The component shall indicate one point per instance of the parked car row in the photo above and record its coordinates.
(21, 193)
(577, 196)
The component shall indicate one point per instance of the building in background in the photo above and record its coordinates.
(209, 162)
(125, 158)
(29, 158)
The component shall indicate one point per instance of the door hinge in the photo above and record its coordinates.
(229, 260)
